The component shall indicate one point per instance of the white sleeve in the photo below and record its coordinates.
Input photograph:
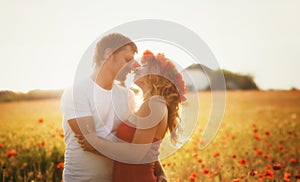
(75, 103)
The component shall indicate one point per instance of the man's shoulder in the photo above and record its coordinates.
(83, 83)
(77, 88)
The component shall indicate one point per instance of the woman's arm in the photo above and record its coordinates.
(141, 150)
(148, 135)
(123, 152)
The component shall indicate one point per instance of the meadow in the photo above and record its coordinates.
(257, 141)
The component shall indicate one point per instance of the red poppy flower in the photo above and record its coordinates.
(169, 163)
(192, 178)
(277, 166)
(1, 145)
(205, 171)
(287, 176)
(216, 154)
(268, 132)
(266, 156)
(40, 120)
(60, 165)
(194, 174)
(243, 161)
(11, 153)
(234, 156)
(257, 136)
(260, 175)
(195, 155)
(259, 152)
(269, 167)
(147, 55)
(41, 144)
(167, 69)
(160, 57)
(269, 174)
(293, 160)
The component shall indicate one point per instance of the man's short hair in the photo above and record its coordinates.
(114, 41)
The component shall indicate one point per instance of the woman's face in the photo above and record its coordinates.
(140, 76)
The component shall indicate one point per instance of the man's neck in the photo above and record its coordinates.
(104, 78)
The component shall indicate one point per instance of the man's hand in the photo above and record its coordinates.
(85, 145)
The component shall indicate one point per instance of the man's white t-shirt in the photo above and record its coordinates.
(108, 108)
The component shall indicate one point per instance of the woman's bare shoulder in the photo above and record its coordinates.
(154, 104)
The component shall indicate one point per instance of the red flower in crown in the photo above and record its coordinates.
(160, 57)
(167, 69)
(147, 55)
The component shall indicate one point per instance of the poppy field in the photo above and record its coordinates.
(259, 140)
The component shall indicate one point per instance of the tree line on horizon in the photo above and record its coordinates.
(233, 81)
(7, 95)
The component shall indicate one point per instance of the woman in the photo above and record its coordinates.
(163, 92)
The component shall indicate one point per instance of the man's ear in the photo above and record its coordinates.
(107, 53)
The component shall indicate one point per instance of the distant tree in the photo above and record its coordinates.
(294, 89)
(235, 81)
(7, 96)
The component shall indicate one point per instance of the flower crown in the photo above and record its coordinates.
(168, 70)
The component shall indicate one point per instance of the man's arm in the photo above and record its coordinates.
(120, 151)
(74, 126)
(78, 131)
(159, 171)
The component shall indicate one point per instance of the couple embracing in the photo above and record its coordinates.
(108, 139)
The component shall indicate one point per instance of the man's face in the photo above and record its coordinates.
(123, 60)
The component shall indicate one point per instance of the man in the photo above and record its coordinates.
(113, 52)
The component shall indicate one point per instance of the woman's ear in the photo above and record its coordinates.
(107, 53)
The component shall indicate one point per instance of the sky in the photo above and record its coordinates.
(41, 42)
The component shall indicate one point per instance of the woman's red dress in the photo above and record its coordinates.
(124, 172)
